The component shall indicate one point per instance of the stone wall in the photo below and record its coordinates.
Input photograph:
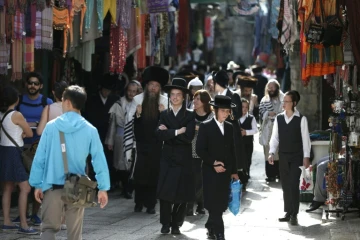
(310, 103)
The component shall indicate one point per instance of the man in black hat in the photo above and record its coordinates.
(176, 130)
(97, 113)
(215, 146)
(259, 89)
(142, 123)
(247, 85)
(221, 81)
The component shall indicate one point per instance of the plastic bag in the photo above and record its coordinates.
(235, 196)
(306, 180)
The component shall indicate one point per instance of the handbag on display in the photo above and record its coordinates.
(314, 31)
(334, 29)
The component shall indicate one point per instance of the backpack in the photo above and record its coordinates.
(43, 103)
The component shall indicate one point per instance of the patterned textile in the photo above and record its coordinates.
(4, 57)
(316, 60)
(17, 55)
(274, 15)
(125, 13)
(29, 64)
(141, 53)
(47, 28)
(40, 5)
(134, 38)
(30, 21)
(90, 7)
(194, 155)
(11, 166)
(18, 25)
(38, 30)
(2, 26)
(9, 27)
(118, 49)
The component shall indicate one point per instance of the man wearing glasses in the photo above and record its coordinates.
(31, 106)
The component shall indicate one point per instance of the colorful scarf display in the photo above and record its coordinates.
(47, 28)
(134, 32)
(29, 48)
(38, 30)
(17, 56)
(118, 49)
(4, 57)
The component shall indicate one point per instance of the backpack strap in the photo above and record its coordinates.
(44, 101)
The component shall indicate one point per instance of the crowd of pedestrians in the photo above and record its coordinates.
(178, 142)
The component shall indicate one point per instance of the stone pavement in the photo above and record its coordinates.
(261, 205)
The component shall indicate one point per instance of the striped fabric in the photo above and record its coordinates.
(47, 28)
(38, 30)
(29, 54)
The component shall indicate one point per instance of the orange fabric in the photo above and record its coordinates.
(61, 19)
(77, 6)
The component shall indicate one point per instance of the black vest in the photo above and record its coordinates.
(247, 126)
(290, 139)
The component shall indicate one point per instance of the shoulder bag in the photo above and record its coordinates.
(314, 31)
(334, 29)
(78, 190)
(27, 155)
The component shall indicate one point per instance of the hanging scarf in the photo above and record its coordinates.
(47, 28)
(4, 57)
(125, 13)
(134, 34)
(118, 49)
(77, 6)
(38, 30)
(2, 27)
(141, 53)
(40, 5)
(18, 27)
(30, 21)
(183, 35)
(353, 14)
(29, 64)
(2, 4)
(16, 55)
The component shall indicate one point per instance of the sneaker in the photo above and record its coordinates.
(9, 228)
(63, 227)
(35, 220)
(28, 231)
(17, 220)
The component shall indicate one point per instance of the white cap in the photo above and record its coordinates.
(195, 82)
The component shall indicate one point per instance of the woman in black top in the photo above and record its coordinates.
(203, 112)
(176, 130)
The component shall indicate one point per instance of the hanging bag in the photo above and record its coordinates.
(235, 196)
(314, 31)
(334, 29)
(78, 190)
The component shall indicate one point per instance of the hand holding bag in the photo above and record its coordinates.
(78, 190)
(235, 196)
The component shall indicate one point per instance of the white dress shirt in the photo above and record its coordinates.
(221, 125)
(223, 93)
(175, 113)
(274, 141)
(254, 128)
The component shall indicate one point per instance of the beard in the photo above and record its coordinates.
(33, 93)
(274, 94)
(150, 106)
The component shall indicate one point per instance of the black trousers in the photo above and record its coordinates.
(172, 214)
(290, 180)
(197, 170)
(145, 196)
(124, 178)
(249, 149)
(272, 171)
(215, 222)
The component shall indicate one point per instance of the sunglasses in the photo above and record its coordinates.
(33, 83)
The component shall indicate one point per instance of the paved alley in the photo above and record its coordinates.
(261, 206)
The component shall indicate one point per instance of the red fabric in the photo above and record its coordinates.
(207, 26)
(183, 36)
(141, 53)
(118, 49)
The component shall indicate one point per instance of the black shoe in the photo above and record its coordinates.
(138, 208)
(219, 236)
(150, 211)
(175, 230)
(270, 179)
(165, 229)
(210, 234)
(314, 205)
(286, 218)
(127, 195)
(200, 210)
(293, 220)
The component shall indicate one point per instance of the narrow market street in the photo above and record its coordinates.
(260, 208)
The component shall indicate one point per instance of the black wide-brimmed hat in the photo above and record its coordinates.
(157, 74)
(190, 75)
(109, 81)
(241, 73)
(247, 81)
(222, 102)
(177, 83)
(221, 78)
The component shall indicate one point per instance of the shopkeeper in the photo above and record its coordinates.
(291, 135)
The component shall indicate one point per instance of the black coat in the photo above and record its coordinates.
(176, 178)
(97, 113)
(239, 142)
(148, 152)
(211, 145)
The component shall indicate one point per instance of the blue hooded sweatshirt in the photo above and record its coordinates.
(81, 139)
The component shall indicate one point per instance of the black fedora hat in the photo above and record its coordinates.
(221, 78)
(109, 81)
(177, 83)
(222, 102)
(247, 81)
(157, 74)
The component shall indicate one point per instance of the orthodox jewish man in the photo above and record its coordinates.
(247, 85)
(215, 146)
(177, 130)
(221, 80)
(145, 111)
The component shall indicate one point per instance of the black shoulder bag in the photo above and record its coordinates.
(314, 31)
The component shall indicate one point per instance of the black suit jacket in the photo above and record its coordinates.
(236, 111)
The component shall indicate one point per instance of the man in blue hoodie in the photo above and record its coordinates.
(47, 172)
